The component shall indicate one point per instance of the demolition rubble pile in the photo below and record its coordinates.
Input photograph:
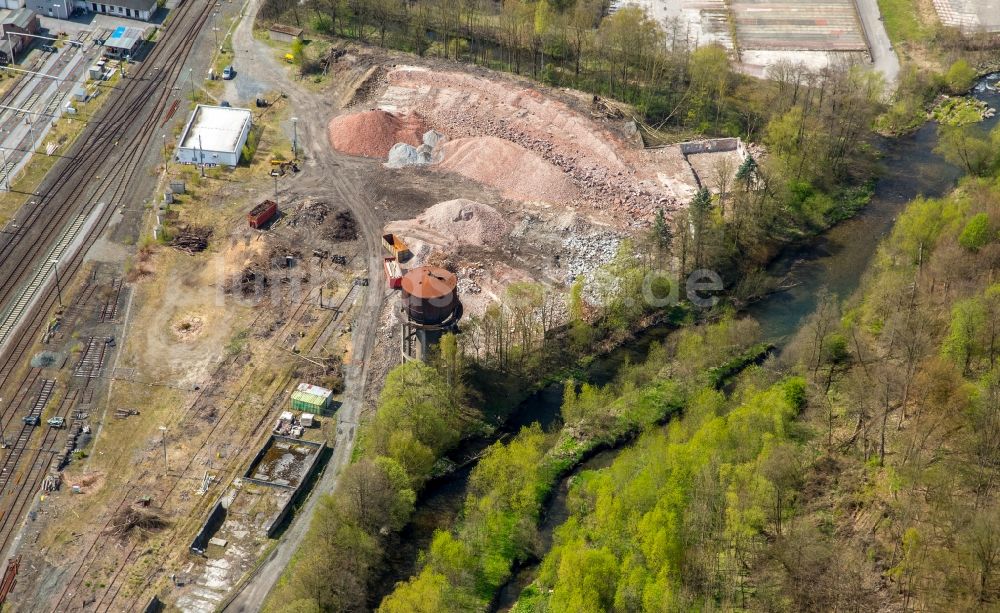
(404, 154)
(191, 239)
(605, 173)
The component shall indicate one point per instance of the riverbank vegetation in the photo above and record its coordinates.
(465, 567)
(424, 410)
(676, 518)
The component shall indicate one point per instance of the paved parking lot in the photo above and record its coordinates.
(970, 15)
(807, 25)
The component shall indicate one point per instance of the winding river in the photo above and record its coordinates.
(835, 261)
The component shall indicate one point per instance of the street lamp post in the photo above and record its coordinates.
(165, 157)
(295, 138)
(55, 269)
(191, 78)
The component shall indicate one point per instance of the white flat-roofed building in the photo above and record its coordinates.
(214, 136)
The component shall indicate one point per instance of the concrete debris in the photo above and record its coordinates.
(584, 254)
(405, 154)
(432, 138)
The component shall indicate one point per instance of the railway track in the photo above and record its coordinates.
(9, 118)
(255, 431)
(68, 191)
(18, 497)
(147, 90)
(9, 322)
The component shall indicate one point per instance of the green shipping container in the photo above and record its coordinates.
(311, 398)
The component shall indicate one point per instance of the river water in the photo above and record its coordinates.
(909, 167)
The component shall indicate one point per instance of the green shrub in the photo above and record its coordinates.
(960, 76)
(977, 233)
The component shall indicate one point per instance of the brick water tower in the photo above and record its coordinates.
(430, 307)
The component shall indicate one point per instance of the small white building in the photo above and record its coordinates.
(214, 136)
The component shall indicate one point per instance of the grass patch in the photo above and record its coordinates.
(959, 111)
(902, 21)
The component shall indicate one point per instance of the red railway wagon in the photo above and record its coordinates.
(393, 275)
(262, 213)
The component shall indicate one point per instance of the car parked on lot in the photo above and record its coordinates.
(228, 72)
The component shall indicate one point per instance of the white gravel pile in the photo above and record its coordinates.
(402, 155)
(405, 154)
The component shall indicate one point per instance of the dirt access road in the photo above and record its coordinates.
(884, 57)
(345, 178)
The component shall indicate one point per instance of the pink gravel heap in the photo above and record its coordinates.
(518, 173)
(373, 133)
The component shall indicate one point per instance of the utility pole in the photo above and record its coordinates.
(191, 78)
(215, 29)
(163, 439)
(55, 268)
(6, 170)
(295, 138)
(166, 158)
(31, 130)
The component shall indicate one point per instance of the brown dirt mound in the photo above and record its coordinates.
(467, 221)
(517, 172)
(373, 133)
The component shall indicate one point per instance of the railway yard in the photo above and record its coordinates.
(150, 343)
